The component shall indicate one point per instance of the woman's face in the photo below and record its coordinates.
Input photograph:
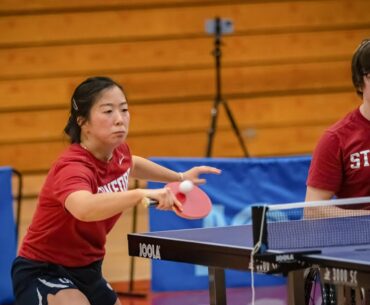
(109, 120)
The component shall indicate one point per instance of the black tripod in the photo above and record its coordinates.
(217, 27)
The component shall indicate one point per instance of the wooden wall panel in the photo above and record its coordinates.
(34, 157)
(185, 86)
(32, 184)
(180, 54)
(37, 6)
(263, 141)
(170, 21)
(32, 125)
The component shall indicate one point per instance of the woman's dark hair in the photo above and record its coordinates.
(83, 98)
(361, 65)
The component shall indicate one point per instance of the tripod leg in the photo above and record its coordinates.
(212, 128)
(235, 128)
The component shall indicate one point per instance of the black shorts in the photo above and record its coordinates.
(33, 281)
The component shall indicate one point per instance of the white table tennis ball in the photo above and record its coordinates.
(186, 186)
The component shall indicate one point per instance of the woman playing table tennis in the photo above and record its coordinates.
(84, 194)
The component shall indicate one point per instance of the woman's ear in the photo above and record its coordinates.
(80, 121)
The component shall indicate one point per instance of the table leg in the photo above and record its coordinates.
(217, 288)
(366, 296)
(296, 291)
(356, 296)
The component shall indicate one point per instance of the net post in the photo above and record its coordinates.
(259, 227)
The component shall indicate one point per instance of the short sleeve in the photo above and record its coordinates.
(69, 178)
(326, 165)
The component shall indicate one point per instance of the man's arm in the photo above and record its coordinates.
(315, 194)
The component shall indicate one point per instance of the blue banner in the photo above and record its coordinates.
(243, 182)
(8, 240)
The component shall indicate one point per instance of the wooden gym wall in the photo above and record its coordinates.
(285, 74)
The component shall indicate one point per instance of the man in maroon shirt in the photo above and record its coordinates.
(341, 161)
(340, 164)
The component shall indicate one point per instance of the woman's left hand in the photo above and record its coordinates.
(193, 173)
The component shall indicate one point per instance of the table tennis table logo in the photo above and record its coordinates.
(149, 251)
(283, 258)
(341, 276)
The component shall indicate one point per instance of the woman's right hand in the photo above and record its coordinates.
(165, 197)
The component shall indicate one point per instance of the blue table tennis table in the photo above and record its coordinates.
(230, 247)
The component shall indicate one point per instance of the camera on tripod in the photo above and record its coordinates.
(219, 26)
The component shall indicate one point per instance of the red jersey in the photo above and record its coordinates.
(340, 162)
(56, 236)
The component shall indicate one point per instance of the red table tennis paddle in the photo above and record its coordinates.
(195, 203)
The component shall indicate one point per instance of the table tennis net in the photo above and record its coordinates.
(294, 226)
